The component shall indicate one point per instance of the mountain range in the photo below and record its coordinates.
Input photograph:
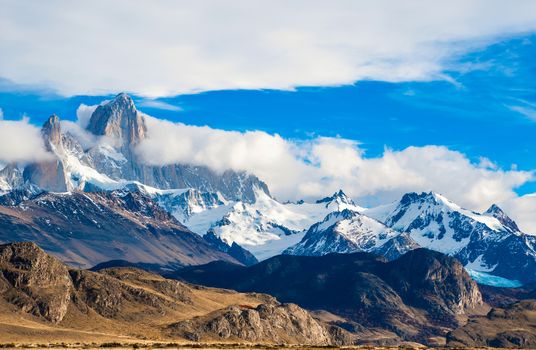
(417, 297)
(184, 214)
(319, 272)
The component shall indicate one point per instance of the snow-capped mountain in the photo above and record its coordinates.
(236, 208)
(265, 227)
(111, 162)
(349, 231)
(489, 242)
(184, 204)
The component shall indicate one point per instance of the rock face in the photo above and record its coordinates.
(10, 177)
(121, 122)
(51, 132)
(274, 322)
(434, 282)
(131, 304)
(34, 281)
(84, 229)
(417, 296)
(50, 174)
(510, 327)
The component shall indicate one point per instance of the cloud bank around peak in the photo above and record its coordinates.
(161, 48)
(295, 169)
(21, 142)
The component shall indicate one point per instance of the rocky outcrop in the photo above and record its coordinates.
(119, 120)
(436, 283)
(418, 296)
(49, 174)
(279, 323)
(510, 327)
(495, 211)
(34, 281)
(51, 132)
(128, 302)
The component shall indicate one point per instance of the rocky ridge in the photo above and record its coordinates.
(128, 303)
(87, 228)
(419, 296)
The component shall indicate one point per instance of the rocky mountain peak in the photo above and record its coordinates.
(414, 197)
(51, 132)
(339, 197)
(496, 212)
(120, 120)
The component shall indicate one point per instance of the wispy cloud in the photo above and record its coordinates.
(21, 141)
(527, 110)
(159, 105)
(163, 48)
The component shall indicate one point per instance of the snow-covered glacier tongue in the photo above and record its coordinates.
(489, 243)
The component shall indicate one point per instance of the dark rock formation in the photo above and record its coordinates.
(510, 327)
(418, 296)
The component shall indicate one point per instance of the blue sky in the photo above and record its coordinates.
(487, 108)
(376, 97)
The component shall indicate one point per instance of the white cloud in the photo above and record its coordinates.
(83, 114)
(159, 105)
(78, 128)
(317, 167)
(1, 114)
(522, 210)
(21, 142)
(86, 139)
(162, 48)
(527, 111)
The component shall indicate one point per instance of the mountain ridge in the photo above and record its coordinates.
(43, 300)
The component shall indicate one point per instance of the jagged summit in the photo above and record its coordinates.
(51, 132)
(345, 231)
(338, 197)
(489, 242)
(119, 119)
(495, 211)
(430, 197)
